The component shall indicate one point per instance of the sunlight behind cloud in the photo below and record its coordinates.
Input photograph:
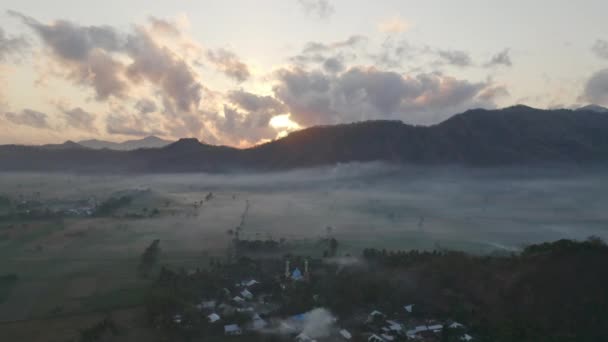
(394, 24)
(283, 121)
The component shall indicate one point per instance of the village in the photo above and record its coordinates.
(260, 300)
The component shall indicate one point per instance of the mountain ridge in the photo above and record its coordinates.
(477, 137)
(151, 141)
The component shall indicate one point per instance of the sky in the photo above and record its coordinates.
(241, 72)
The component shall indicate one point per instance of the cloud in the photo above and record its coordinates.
(256, 103)
(70, 41)
(164, 27)
(455, 57)
(79, 118)
(145, 106)
(322, 9)
(132, 125)
(600, 48)
(333, 55)
(28, 117)
(501, 58)
(112, 63)
(393, 52)
(318, 47)
(10, 45)
(333, 64)
(160, 66)
(394, 24)
(596, 88)
(245, 120)
(85, 51)
(228, 63)
(367, 93)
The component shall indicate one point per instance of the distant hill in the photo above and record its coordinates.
(514, 135)
(594, 108)
(65, 146)
(147, 142)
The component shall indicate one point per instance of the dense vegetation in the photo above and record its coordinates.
(112, 204)
(549, 292)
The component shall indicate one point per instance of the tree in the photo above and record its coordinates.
(333, 247)
(150, 258)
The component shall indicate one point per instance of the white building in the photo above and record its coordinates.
(232, 329)
(346, 334)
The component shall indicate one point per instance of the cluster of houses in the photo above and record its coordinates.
(388, 330)
(243, 302)
(254, 311)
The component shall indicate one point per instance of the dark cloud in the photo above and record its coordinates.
(159, 66)
(255, 103)
(600, 48)
(596, 89)
(364, 93)
(455, 57)
(501, 58)
(28, 117)
(228, 63)
(103, 73)
(10, 45)
(73, 42)
(333, 64)
(145, 106)
(85, 51)
(319, 8)
(79, 118)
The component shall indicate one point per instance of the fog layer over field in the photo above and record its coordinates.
(365, 205)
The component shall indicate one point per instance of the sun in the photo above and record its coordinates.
(284, 121)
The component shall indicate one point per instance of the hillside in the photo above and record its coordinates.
(147, 142)
(514, 135)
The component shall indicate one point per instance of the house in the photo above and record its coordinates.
(387, 337)
(435, 327)
(409, 308)
(347, 335)
(375, 338)
(213, 318)
(302, 337)
(258, 323)
(394, 326)
(249, 283)
(232, 329)
(208, 305)
(177, 318)
(238, 299)
(466, 337)
(246, 294)
(374, 315)
(416, 330)
(456, 325)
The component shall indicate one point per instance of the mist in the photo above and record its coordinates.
(364, 205)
